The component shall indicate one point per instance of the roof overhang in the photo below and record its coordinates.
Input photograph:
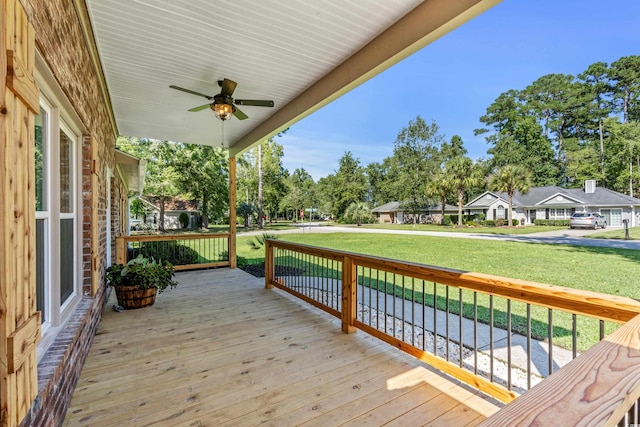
(132, 171)
(301, 55)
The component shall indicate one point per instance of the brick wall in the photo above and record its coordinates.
(61, 43)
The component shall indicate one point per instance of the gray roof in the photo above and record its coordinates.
(396, 207)
(537, 196)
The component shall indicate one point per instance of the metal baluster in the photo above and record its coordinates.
(509, 344)
(435, 320)
(475, 333)
(385, 302)
(424, 312)
(413, 312)
(447, 321)
(550, 334)
(402, 301)
(574, 338)
(601, 329)
(460, 332)
(491, 337)
(528, 346)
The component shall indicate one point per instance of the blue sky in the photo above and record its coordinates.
(454, 79)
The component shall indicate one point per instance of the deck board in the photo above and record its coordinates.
(222, 350)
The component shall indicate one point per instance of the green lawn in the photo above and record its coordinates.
(611, 271)
(634, 234)
(483, 230)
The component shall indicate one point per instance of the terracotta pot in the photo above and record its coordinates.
(130, 297)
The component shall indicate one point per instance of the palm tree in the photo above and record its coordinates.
(440, 187)
(358, 211)
(463, 174)
(509, 179)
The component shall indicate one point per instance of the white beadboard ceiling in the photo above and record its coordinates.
(299, 53)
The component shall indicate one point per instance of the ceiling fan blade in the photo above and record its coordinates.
(254, 102)
(239, 114)
(228, 86)
(200, 108)
(190, 91)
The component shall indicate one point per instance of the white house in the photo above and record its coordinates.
(553, 202)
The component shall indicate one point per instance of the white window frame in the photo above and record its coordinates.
(60, 117)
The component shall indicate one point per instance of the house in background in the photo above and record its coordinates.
(553, 202)
(393, 213)
(173, 207)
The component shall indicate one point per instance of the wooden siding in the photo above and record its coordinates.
(19, 320)
(220, 349)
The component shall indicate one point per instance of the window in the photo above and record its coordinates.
(560, 213)
(58, 201)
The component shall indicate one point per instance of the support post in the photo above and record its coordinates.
(268, 265)
(349, 297)
(232, 213)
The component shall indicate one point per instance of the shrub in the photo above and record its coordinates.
(500, 222)
(183, 219)
(515, 222)
(259, 241)
(446, 220)
(170, 251)
(552, 222)
(489, 223)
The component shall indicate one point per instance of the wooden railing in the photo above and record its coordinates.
(184, 251)
(366, 291)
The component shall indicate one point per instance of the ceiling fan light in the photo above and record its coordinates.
(223, 111)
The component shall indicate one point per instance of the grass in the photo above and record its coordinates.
(483, 230)
(618, 234)
(610, 271)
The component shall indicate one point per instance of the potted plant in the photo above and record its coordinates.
(137, 283)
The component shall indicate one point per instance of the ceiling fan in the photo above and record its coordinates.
(223, 105)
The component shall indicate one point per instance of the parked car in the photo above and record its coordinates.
(587, 220)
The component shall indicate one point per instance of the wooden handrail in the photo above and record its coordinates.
(605, 307)
(596, 389)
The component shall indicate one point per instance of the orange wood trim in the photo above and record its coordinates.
(269, 268)
(349, 297)
(22, 342)
(597, 388)
(21, 83)
(199, 266)
(168, 237)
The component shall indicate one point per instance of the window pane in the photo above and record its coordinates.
(41, 295)
(66, 173)
(66, 259)
(41, 178)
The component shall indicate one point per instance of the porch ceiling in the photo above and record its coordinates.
(301, 55)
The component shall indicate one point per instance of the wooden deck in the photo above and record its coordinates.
(220, 350)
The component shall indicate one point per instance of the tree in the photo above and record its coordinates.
(160, 179)
(300, 192)
(599, 88)
(358, 212)
(416, 158)
(349, 184)
(509, 179)
(462, 175)
(261, 177)
(440, 188)
(245, 210)
(202, 173)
